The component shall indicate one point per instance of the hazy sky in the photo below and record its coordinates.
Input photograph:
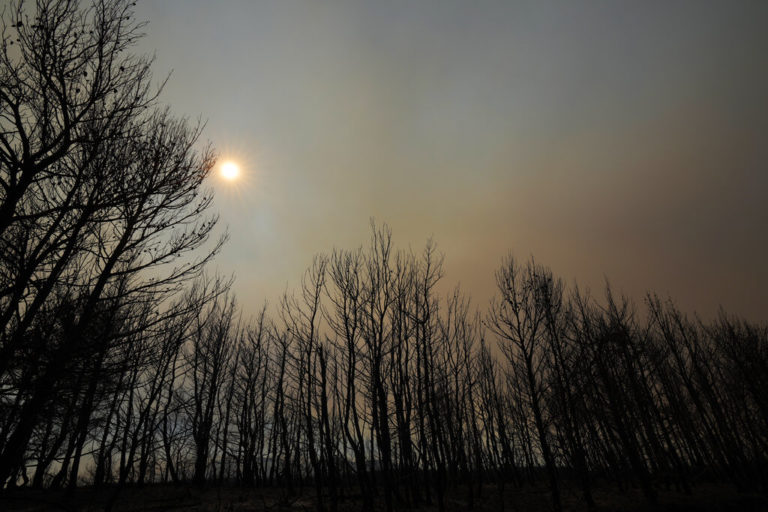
(608, 139)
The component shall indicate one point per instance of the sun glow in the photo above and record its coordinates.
(236, 174)
(229, 170)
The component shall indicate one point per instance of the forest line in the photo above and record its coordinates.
(367, 381)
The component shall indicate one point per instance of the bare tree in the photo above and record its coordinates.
(518, 317)
(102, 195)
(212, 349)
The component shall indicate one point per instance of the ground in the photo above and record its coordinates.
(709, 498)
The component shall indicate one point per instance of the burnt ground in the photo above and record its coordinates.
(160, 497)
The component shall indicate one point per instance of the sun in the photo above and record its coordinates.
(229, 170)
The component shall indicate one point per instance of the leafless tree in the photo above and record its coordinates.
(102, 199)
(518, 317)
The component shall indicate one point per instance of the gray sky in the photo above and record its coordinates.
(626, 140)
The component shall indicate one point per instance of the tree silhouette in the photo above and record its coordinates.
(102, 195)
